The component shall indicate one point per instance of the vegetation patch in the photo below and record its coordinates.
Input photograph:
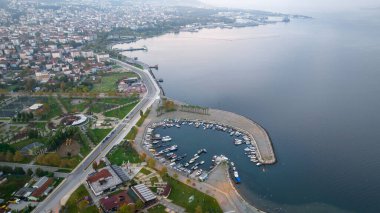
(97, 135)
(132, 133)
(143, 116)
(78, 202)
(145, 171)
(122, 111)
(191, 199)
(75, 105)
(12, 184)
(122, 154)
(109, 81)
(157, 209)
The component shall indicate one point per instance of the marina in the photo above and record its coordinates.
(195, 161)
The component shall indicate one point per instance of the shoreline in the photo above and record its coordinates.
(259, 134)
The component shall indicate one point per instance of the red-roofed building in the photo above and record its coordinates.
(113, 203)
(103, 174)
(40, 191)
(103, 181)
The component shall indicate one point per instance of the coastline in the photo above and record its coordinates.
(228, 196)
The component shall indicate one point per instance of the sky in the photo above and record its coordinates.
(297, 5)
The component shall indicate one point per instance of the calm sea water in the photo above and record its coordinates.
(313, 84)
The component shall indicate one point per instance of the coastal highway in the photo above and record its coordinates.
(53, 202)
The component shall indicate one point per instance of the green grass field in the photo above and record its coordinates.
(157, 209)
(109, 81)
(181, 193)
(145, 171)
(54, 109)
(40, 125)
(19, 145)
(13, 183)
(97, 135)
(121, 154)
(120, 112)
(71, 108)
(72, 205)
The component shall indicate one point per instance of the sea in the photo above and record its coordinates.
(313, 84)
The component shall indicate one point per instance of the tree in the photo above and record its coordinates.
(18, 157)
(29, 172)
(142, 156)
(188, 181)
(40, 172)
(151, 162)
(19, 171)
(198, 209)
(163, 171)
(126, 209)
(82, 204)
(9, 156)
(7, 169)
(139, 204)
(95, 165)
(175, 176)
(62, 86)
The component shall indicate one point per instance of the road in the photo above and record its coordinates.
(30, 166)
(53, 202)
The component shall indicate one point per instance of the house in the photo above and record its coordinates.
(42, 77)
(103, 181)
(33, 149)
(24, 193)
(114, 202)
(41, 186)
(102, 57)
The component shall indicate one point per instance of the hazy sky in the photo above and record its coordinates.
(297, 5)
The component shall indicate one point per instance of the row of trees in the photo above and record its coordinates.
(23, 117)
(61, 135)
(194, 109)
(53, 159)
(11, 157)
(20, 171)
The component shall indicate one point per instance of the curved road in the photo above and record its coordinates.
(53, 202)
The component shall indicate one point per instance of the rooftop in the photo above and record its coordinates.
(115, 201)
(144, 193)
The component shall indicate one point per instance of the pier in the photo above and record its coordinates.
(131, 49)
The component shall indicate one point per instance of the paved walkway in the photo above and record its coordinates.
(34, 167)
(168, 204)
(64, 110)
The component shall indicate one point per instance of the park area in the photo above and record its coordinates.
(123, 153)
(109, 81)
(80, 202)
(191, 199)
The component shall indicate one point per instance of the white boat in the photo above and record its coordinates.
(258, 164)
(236, 174)
(202, 162)
(199, 172)
(166, 139)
